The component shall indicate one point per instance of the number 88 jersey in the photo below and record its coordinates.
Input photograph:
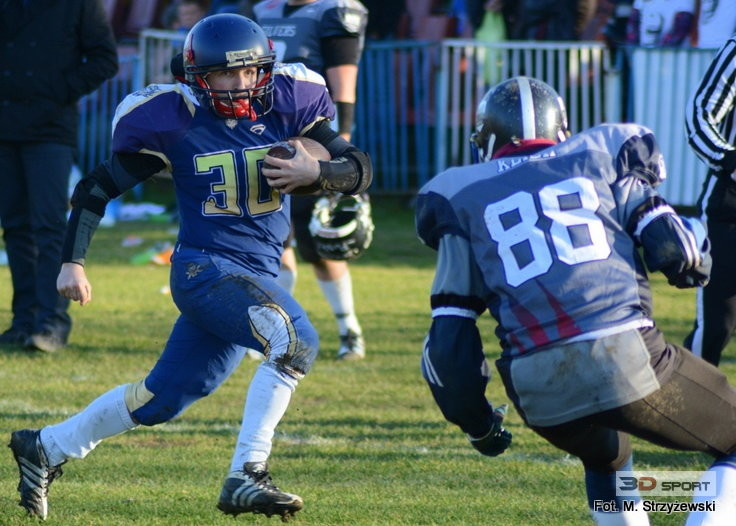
(547, 242)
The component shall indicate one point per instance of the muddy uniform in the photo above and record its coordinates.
(549, 244)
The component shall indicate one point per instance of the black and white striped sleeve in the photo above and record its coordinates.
(711, 113)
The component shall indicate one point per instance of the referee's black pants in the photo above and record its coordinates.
(716, 302)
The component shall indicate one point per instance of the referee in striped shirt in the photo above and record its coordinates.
(711, 133)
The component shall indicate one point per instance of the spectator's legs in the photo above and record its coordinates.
(47, 167)
(19, 243)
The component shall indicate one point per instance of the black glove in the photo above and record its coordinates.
(695, 277)
(497, 440)
(699, 275)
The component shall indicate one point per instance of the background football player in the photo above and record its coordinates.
(326, 36)
(545, 233)
(212, 134)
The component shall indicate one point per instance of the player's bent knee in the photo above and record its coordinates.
(137, 395)
(299, 357)
(288, 344)
(150, 409)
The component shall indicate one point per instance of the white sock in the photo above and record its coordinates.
(287, 279)
(339, 294)
(75, 437)
(725, 498)
(268, 397)
(637, 517)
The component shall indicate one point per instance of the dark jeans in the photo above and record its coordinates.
(34, 180)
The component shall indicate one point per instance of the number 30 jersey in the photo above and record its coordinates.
(225, 203)
(547, 242)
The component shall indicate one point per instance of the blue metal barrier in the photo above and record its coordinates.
(394, 112)
(416, 100)
(662, 82)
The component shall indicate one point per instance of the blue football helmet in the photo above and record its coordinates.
(227, 41)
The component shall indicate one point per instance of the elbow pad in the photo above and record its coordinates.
(95, 191)
(351, 173)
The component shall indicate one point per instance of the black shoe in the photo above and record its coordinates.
(252, 491)
(35, 473)
(13, 337)
(46, 341)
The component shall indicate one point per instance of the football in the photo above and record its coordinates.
(280, 150)
(286, 150)
(314, 148)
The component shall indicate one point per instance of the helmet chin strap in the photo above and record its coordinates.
(488, 153)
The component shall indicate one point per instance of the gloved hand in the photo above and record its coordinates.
(497, 440)
(699, 275)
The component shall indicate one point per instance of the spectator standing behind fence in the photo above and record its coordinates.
(614, 32)
(181, 15)
(487, 19)
(710, 120)
(326, 36)
(51, 54)
(383, 24)
(716, 22)
(661, 22)
(553, 20)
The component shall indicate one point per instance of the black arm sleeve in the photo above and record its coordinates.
(350, 171)
(677, 247)
(340, 50)
(109, 180)
(453, 365)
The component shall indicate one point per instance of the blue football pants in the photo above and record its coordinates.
(224, 308)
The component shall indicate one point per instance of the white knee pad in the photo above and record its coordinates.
(137, 395)
(283, 346)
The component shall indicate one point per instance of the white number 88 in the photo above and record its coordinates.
(562, 219)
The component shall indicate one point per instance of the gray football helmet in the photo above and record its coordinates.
(517, 109)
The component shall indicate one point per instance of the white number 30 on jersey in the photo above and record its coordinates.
(580, 203)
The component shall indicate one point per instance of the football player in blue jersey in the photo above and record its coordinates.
(212, 133)
(546, 232)
(327, 36)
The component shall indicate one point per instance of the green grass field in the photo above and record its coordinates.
(362, 443)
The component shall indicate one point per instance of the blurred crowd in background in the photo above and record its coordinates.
(697, 23)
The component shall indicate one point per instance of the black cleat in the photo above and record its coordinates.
(252, 491)
(35, 473)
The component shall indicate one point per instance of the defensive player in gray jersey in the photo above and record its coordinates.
(553, 236)
(327, 36)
